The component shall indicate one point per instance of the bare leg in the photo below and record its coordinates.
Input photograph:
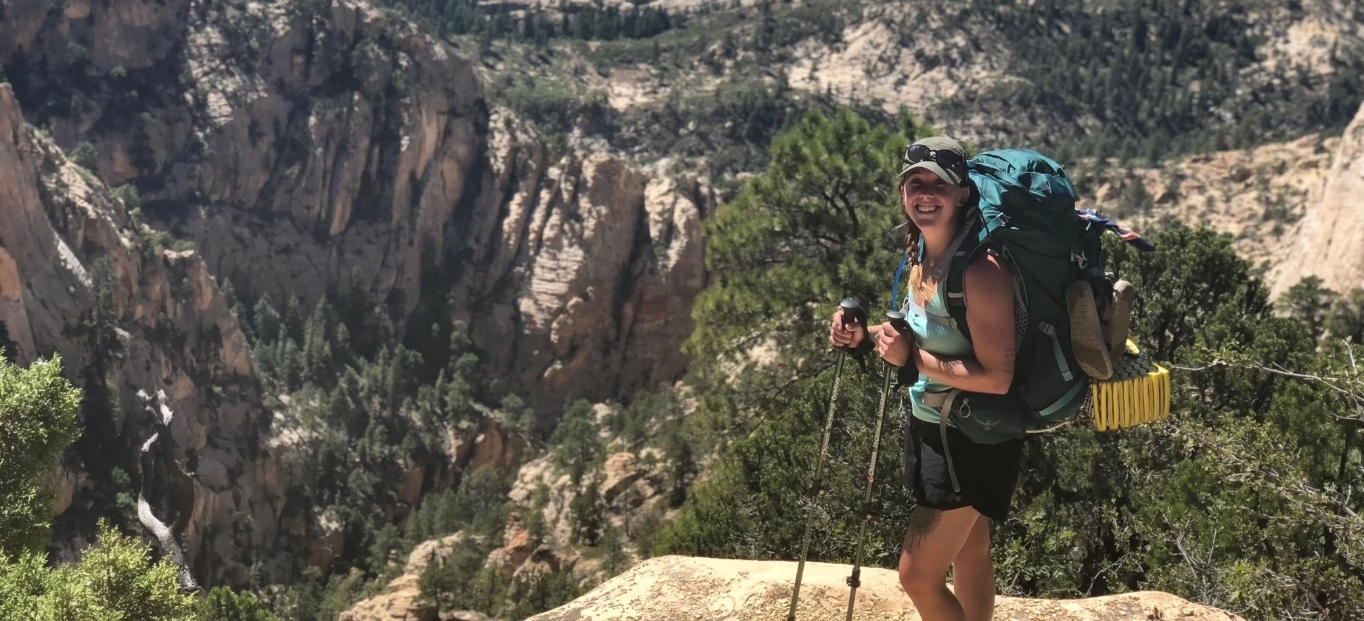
(932, 542)
(973, 574)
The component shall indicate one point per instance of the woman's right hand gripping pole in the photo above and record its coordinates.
(848, 327)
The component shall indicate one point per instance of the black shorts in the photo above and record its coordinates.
(986, 473)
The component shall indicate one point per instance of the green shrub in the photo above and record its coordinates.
(86, 156)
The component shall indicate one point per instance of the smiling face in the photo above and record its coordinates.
(930, 201)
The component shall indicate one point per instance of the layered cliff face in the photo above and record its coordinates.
(299, 144)
(165, 326)
(1330, 241)
(155, 319)
(309, 147)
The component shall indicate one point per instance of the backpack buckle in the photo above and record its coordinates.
(1079, 258)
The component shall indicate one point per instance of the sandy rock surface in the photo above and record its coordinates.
(677, 588)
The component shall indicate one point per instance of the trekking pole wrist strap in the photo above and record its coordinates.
(860, 352)
(907, 375)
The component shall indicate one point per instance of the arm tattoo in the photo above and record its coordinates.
(921, 525)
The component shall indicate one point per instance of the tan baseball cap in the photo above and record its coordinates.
(940, 154)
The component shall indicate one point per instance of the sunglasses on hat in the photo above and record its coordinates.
(950, 160)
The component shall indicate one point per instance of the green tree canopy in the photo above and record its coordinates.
(114, 581)
(37, 423)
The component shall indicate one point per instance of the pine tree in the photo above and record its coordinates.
(614, 557)
(291, 324)
(1346, 319)
(101, 322)
(289, 372)
(37, 422)
(817, 225)
(9, 347)
(1309, 302)
(586, 509)
(115, 579)
(266, 321)
(238, 310)
(575, 443)
(318, 360)
(222, 604)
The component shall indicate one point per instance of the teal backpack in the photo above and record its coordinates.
(1026, 216)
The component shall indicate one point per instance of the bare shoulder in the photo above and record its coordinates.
(987, 273)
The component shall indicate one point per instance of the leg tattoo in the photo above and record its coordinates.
(921, 524)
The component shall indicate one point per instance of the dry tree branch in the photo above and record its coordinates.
(1350, 387)
(1330, 511)
(161, 474)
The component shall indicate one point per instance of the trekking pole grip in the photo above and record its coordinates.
(897, 321)
(853, 314)
(909, 373)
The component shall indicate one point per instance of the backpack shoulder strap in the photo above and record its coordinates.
(972, 240)
(956, 289)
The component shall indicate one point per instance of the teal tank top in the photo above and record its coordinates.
(935, 334)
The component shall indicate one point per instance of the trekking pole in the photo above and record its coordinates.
(897, 320)
(852, 313)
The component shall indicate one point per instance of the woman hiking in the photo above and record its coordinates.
(948, 528)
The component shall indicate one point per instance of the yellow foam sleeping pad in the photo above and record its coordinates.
(1137, 393)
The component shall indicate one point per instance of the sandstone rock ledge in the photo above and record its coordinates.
(678, 588)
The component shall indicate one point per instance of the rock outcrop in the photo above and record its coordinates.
(583, 270)
(676, 588)
(518, 560)
(516, 549)
(466, 446)
(880, 59)
(81, 277)
(402, 598)
(1330, 242)
(630, 490)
